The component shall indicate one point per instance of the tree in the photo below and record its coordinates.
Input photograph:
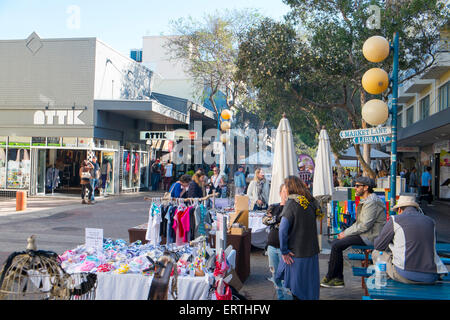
(210, 48)
(316, 55)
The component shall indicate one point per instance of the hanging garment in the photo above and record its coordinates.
(154, 220)
(136, 164)
(202, 218)
(128, 163)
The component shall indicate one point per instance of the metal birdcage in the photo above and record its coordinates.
(37, 275)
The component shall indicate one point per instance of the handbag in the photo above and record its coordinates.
(85, 175)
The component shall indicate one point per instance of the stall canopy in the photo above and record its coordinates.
(350, 154)
(264, 158)
(284, 159)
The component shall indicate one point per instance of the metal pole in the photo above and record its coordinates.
(394, 123)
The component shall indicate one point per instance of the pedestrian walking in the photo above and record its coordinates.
(408, 243)
(299, 246)
(272, 219)
(413, 181)
(95, 176)
(85, 180)
(156, 174)
(370, 219)
(239, 181)
(425, 188)
(168, 173)
(258, 191)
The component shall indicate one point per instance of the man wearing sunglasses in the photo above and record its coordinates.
(370, 219)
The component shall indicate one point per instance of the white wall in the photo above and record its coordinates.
(170, 76)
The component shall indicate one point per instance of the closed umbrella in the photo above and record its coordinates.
(323, 175)
(284, 159)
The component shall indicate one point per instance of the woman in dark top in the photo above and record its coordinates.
(195, 186)
(299, 245)
(272, 219)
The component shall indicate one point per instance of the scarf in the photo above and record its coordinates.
(260, 189)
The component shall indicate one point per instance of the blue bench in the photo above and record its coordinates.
(362, 272)
(400, 291)
(443, 248)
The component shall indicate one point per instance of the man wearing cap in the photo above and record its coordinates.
(370, 219)
(410, 240)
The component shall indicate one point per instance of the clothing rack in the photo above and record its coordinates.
(212, 195)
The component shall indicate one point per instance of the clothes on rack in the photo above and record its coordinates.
(178, 223)
(52, 178)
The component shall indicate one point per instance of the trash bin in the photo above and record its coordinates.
(21, 200)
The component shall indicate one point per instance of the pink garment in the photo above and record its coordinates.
(181, 225)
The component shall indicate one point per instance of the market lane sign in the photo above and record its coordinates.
(372, 139)
(369, 132)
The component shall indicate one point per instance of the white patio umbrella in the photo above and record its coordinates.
(284, 159)
(323, 173)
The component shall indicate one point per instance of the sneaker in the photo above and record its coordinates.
(324, 281)
(333, 283)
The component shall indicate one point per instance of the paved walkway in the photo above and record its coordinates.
(256, 287)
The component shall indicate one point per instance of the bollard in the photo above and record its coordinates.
(21, 200)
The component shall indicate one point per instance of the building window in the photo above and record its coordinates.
(443, 96)
(425, 107)
(410, 116)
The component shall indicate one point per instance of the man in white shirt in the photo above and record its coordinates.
(167, 180)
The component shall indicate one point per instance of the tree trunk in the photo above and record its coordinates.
(365, 158)
(340, 169)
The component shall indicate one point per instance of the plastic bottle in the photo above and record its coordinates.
(380, 273)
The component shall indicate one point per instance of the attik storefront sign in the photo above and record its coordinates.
(58, 117)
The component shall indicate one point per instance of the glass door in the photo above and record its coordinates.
(41, 168)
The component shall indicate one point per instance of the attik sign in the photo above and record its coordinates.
(372, 140)
(369, 132)
(63, 117)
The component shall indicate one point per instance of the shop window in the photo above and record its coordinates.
(425, 107)
(2, 167)
(127, 164)
(444, 92)
(18, 168)
(410, 116)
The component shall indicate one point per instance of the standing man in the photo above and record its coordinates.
(95, 176)
(409, 239)
(168, 168)
(239, 181)
(426, 186)
(413, 181)
(370, 219)
(156, 175)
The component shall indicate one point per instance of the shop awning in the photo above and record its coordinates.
(150, 110)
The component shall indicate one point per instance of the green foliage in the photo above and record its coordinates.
(310, 65)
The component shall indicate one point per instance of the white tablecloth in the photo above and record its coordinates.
(130, 286)
(259, 230)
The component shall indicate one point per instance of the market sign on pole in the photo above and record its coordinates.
(369, 132)
(372, 139)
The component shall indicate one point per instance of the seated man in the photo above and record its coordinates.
(370, 219)
(410, 236)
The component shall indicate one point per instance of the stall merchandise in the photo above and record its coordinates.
(343, 209)
(125, 271)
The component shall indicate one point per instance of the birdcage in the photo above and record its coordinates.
(37, 275)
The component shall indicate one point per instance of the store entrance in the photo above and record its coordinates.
(62, 171)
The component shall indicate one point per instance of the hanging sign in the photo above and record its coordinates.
(372, 140)
(369, 132)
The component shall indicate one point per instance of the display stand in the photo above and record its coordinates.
(242, 245)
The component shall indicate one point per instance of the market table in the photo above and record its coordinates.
(130, 286)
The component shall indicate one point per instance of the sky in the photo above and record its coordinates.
(119, 23)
